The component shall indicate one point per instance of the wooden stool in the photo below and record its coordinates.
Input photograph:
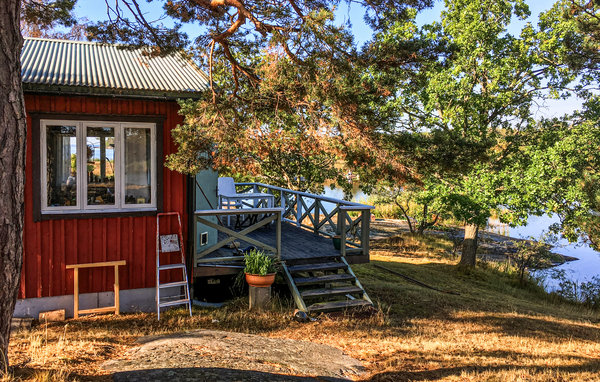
(76, 268)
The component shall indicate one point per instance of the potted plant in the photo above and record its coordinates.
(260, 268)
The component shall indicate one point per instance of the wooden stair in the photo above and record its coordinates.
(325, 285)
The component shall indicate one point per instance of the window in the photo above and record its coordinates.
(91, 166)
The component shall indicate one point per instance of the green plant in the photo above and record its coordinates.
(259, 263)
(533, 254)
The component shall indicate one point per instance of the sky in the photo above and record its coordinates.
(95, 10)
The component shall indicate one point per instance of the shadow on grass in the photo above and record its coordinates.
(509, 355)
(535, 327)
(478, 289)
(592, 367)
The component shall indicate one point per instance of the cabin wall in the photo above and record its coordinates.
(50, 245)
(206, 199)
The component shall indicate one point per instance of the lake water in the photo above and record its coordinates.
(580, 270)
(358, 195)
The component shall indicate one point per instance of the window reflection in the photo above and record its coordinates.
(61, 166)
(100, 142)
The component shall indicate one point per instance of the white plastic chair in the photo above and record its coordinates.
(228, 196)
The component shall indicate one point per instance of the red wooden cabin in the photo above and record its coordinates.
(99, 128)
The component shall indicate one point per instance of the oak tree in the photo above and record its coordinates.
(470, 104)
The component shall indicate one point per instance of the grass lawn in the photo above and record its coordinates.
(492, 330)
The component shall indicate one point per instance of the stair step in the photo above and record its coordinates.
(171, 266)
(323, 279)
(317, 267)
(338, 305)
(175, 302)
(311, 293)
(173, 284)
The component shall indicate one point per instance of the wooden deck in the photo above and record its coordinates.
(296, 243)
(297, 229)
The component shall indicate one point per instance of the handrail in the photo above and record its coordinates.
(238, 211)
(307, 194)
(309, 211)
(356, 208)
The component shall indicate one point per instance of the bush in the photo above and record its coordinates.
(586, 293)
(590, 292)
(533, 255)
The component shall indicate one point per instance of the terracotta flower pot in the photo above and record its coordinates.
(260, 281)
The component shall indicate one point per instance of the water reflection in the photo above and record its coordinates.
(580, 270)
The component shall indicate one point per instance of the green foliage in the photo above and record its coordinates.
(533, 254)
(556, 172)
(288, 97)
(465, 111)
(48, 19)
(585, 292)
(473, 89)
(47, 14)
(416, 204)
(259, 263)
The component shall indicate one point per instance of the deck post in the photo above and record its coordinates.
(278, 235)
(317, 216)
(365, 228)
(342, 225)
(282, 202)
(298, 210)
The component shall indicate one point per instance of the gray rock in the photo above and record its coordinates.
(208, 355)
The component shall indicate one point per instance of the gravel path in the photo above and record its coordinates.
(208, 355)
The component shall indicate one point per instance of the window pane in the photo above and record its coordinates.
(100, 142)
(137, 166)
(61, 165)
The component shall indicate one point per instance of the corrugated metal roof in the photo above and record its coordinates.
(88, 67)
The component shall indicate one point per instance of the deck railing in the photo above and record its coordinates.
(270, 215)
(321, 214)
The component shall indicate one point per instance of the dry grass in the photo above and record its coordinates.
(493, 331)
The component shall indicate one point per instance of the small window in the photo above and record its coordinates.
(97, 166)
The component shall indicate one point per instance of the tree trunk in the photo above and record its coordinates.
(405, 213)
(469, 250)
(12, 168)
(423, 223)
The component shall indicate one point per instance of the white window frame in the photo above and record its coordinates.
(119, 160)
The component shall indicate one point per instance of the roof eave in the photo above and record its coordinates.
(111, 92)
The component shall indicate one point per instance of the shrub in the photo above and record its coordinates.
(590, 292)
(533, 255)
(586, 292)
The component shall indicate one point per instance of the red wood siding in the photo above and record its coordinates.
(52, 244)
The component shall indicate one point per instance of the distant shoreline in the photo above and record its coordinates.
(492, 246)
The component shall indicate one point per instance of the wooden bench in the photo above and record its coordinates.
(76, 267)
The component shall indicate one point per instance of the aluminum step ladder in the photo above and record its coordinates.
(171, 243)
